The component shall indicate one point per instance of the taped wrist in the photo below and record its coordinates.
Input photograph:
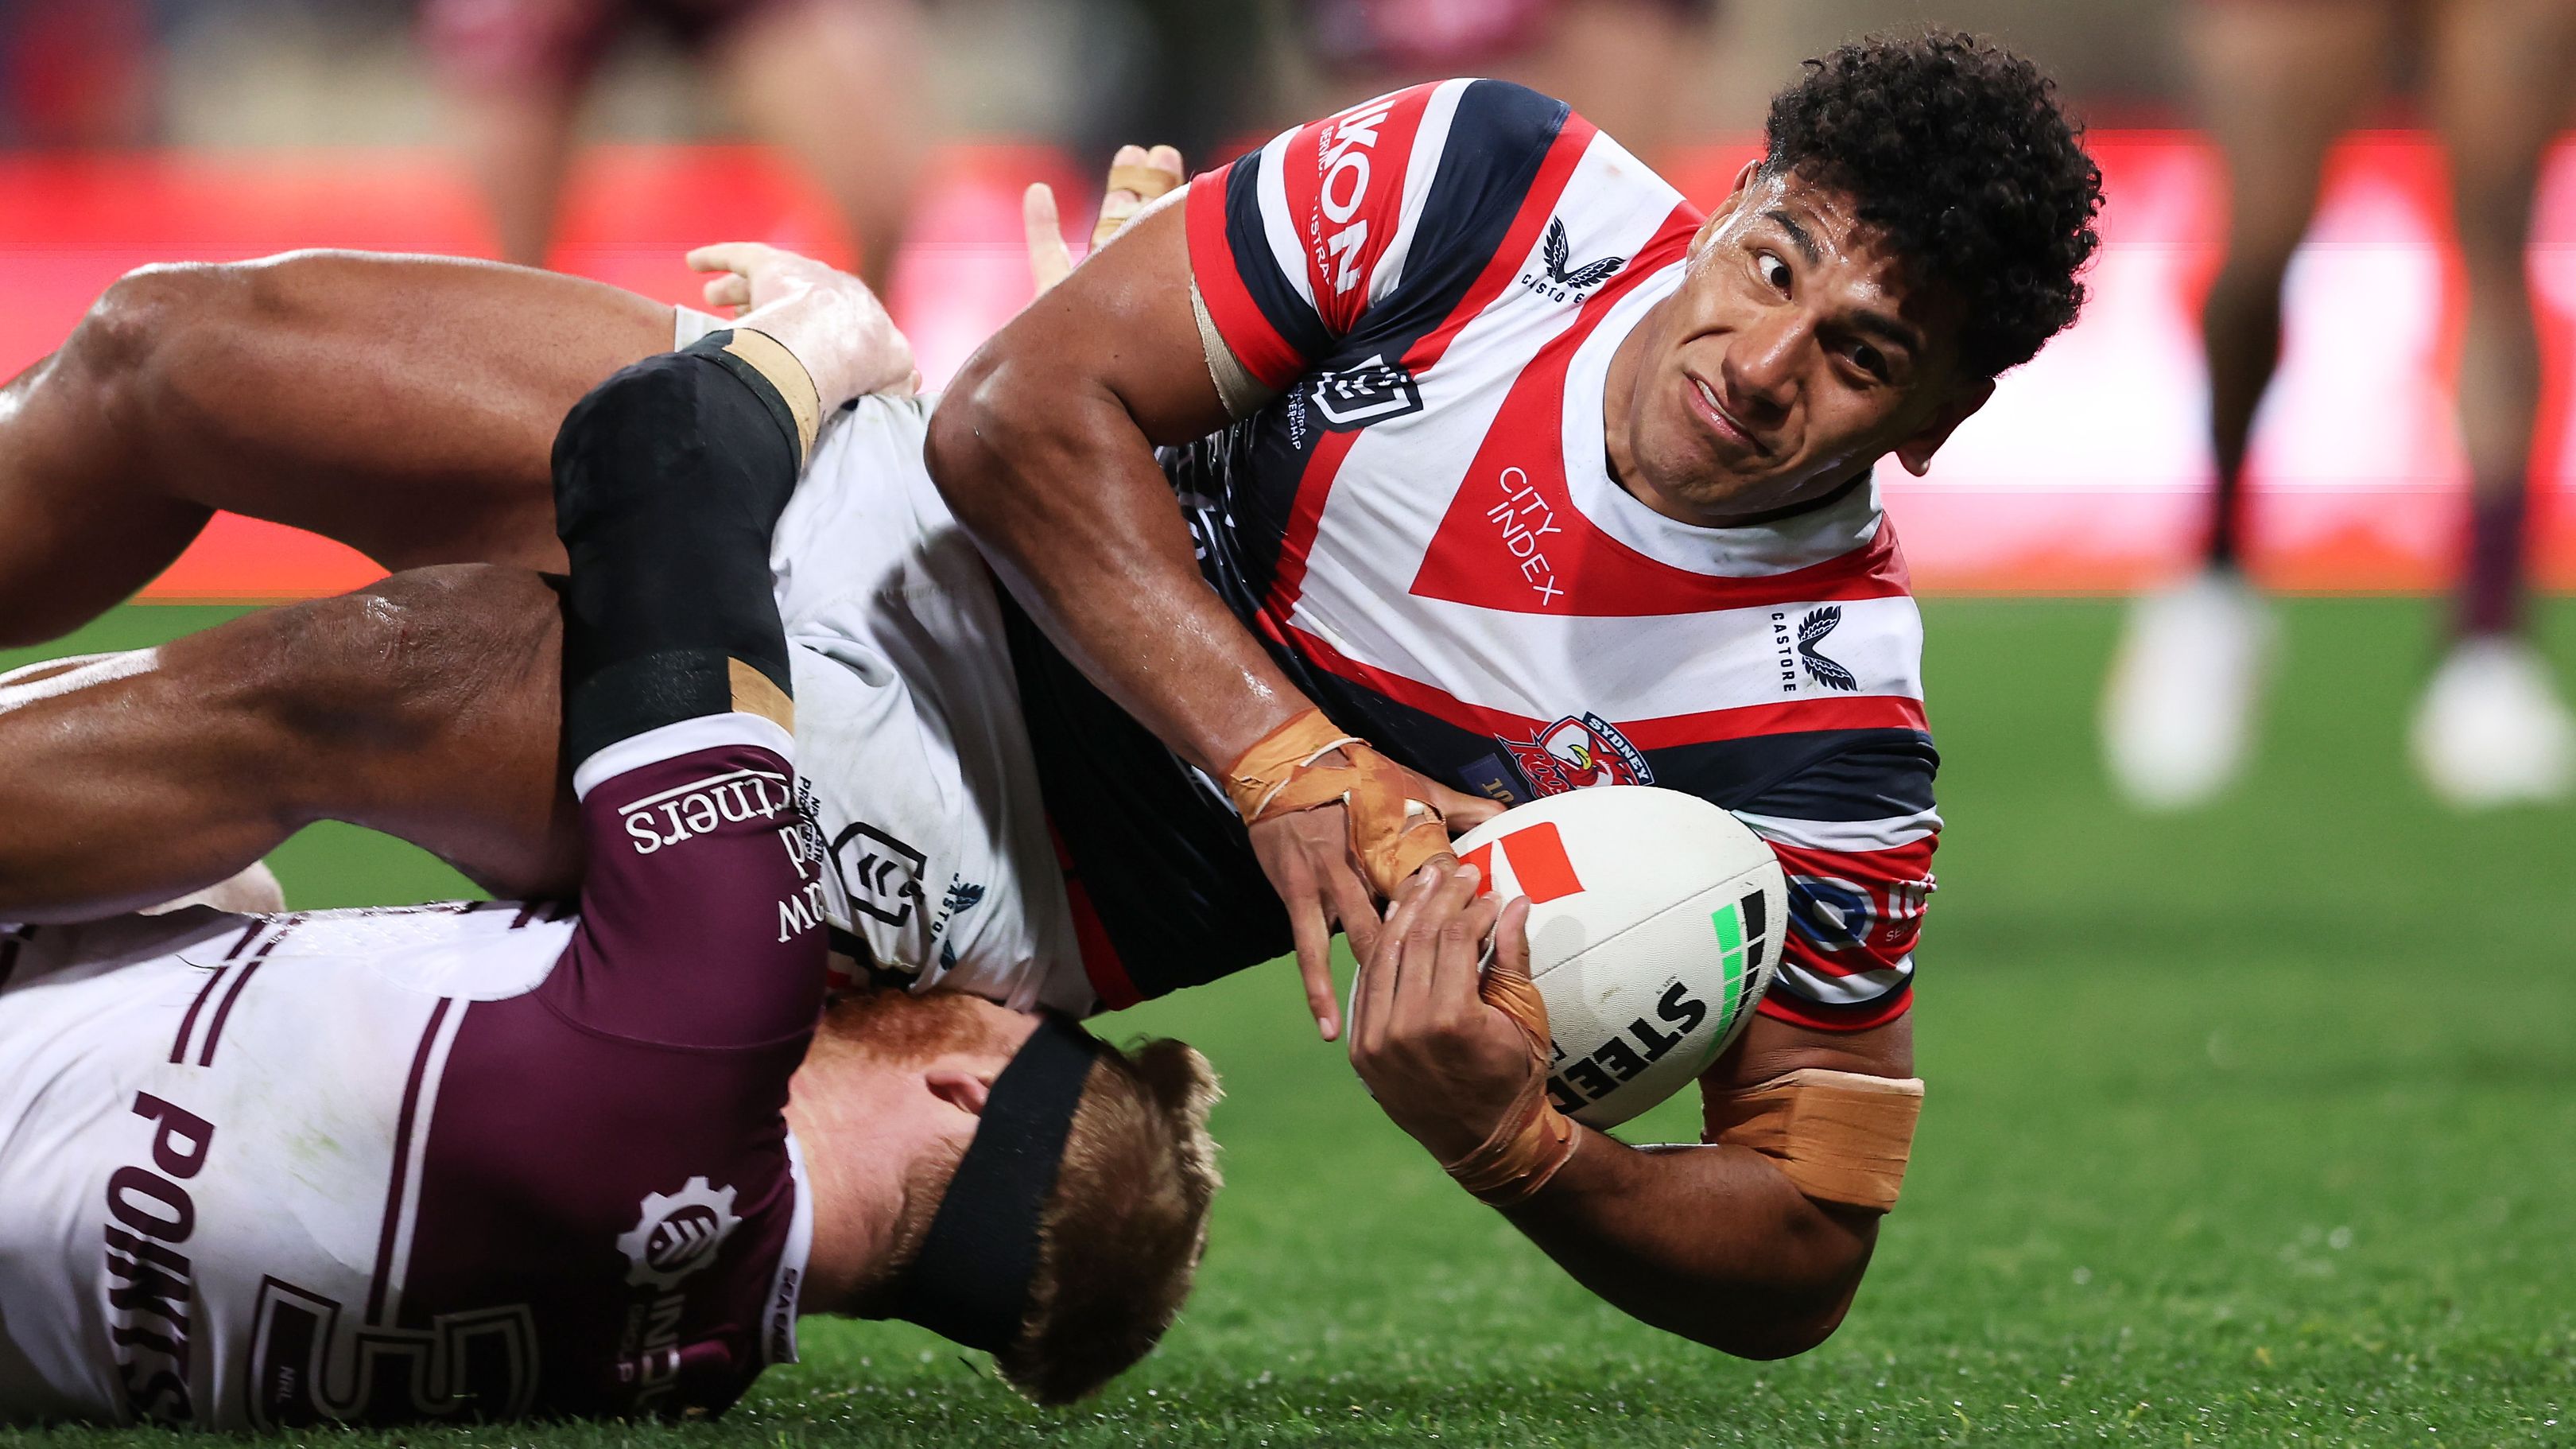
(1391, 834)
(1523, 1152)
(1533, 1139)
(669, 479)
(1840, 1137)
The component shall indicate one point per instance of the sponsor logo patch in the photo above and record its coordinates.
(1811, 633)
(1558, 278)
(1342, 184)
(685, 812)
(1834, 915)
(1578, 752)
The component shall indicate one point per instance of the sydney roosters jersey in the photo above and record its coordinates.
(1421, 527)
(453, 1162)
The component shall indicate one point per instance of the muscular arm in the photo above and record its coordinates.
(1044, 447)
(1713, 1243)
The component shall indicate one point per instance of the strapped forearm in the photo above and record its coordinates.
(669, 479)
(1710, 1242)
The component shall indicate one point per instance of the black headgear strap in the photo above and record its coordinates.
(970, 1282)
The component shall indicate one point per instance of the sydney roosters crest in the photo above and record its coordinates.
(1575, 753)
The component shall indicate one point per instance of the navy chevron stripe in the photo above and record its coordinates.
(1274, 294)
(1862, 774)
(1498, 138)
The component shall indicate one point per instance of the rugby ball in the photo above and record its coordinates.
(1655, 925)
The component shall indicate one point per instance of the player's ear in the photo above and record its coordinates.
(1916, 451)
(1735, 194)
(961, 1086)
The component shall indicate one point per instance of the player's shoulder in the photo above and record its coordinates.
(1477, 134)
(1498, 117)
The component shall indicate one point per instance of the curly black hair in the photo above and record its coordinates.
(1957, 151)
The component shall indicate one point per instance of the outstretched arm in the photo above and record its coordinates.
(1713, 1241)
(400, 405)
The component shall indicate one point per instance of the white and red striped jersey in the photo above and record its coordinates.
(1421, 526)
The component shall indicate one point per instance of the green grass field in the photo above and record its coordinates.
(2255, 1126)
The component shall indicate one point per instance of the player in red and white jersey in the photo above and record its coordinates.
(485, 1160)
(1436, 352)
(1846, 303)
(1497, 456)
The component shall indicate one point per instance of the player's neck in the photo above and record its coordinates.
(858, 1205)
(1618, 402)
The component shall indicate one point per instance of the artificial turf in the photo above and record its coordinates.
(2255, 1125)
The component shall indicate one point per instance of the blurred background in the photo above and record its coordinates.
(2249, 1108)
(604, 136)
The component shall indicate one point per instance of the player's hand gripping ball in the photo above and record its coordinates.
(1655, 926)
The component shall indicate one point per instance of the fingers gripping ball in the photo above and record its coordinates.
(1655, 926)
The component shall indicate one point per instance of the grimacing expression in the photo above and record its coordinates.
(1794, 353)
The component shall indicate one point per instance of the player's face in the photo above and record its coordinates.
(1793, 355)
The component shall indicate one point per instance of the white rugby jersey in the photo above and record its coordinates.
(475, 1160)
(1421, 528)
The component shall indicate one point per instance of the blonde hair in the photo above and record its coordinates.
(1121, 1236)
(1120, 1241)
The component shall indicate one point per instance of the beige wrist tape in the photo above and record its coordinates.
(1534, 1139)
(1527, 1147)
(1391, 834)
(1840, 1137)
(771, 359)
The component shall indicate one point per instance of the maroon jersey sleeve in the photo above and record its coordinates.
(699, 906)
(607, 1181)
(606, 1200)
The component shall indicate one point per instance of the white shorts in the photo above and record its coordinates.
(917, 773)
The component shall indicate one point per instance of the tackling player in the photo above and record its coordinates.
(486, 1160)
(1539, 480)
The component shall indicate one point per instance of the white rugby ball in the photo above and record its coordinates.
(1655, 925)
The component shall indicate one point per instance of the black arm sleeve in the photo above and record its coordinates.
(669, 478)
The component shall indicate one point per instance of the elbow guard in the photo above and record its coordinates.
(669, 479)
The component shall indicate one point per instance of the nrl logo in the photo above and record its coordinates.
(1369, 392)
(1577, 753)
